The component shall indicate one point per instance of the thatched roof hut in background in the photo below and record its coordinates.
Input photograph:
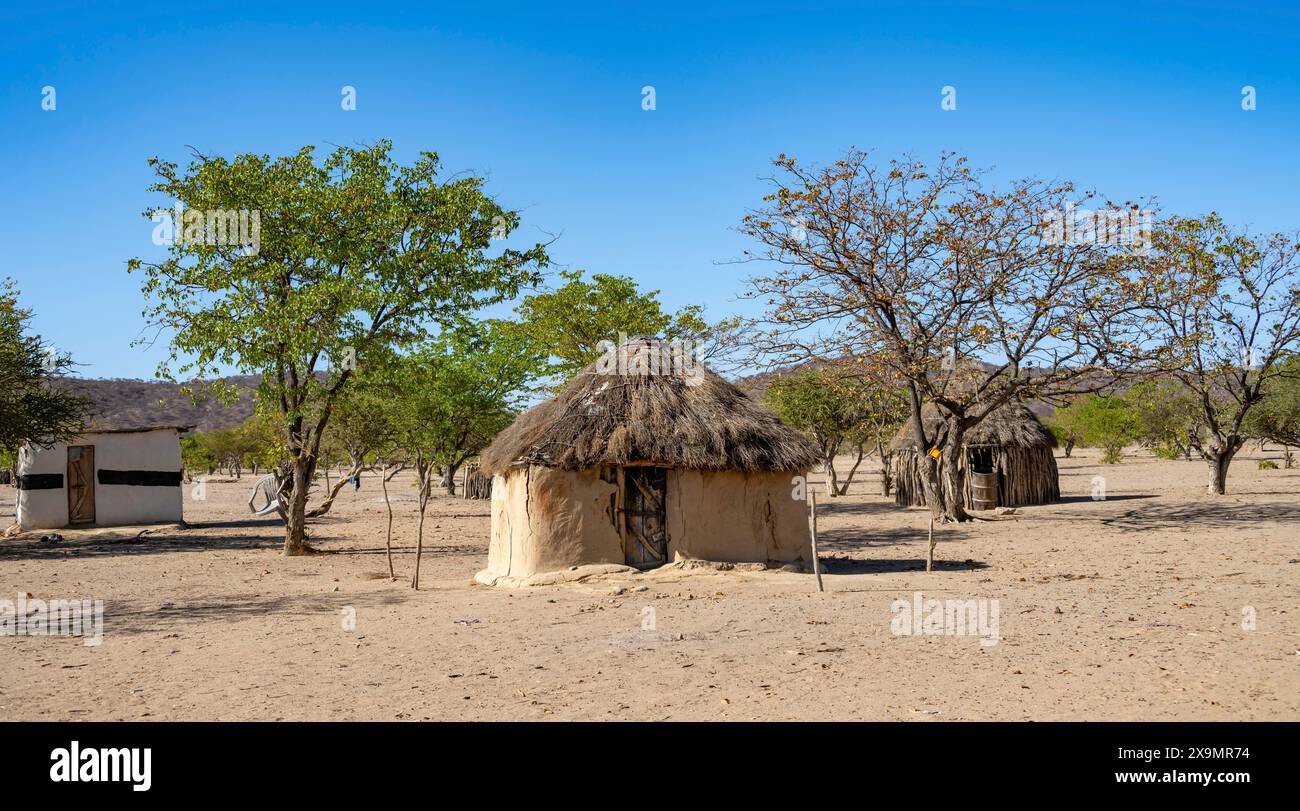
(646, 457)
(1010, 442)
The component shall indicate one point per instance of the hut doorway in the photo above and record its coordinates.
(81, 484)
(645, 497)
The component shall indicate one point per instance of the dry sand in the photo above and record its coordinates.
(1128, 608)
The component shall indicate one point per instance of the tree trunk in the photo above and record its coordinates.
(932, 486)
(325, 505)
(388, 534)
(295, 528)
(844, 488)
(832, 480)
(426, 484)
(1219, 457)
(449, 478)
(954, 477)
(886, 473)
(1069, 448)
(930, 482)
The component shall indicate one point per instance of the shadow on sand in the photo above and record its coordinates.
(853, 566)
(1203, 515)
(264, 534)
(137, 617)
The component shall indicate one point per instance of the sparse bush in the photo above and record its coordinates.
(1171, 452)
(1108, 423)
(1267, 464)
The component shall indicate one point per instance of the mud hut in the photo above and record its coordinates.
(645, 458)
(1010, 444)
(106, 477)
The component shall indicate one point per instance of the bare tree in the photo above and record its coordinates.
(970, 295)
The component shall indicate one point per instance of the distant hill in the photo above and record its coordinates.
(122, 403)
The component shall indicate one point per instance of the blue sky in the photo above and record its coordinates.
(1131, 98)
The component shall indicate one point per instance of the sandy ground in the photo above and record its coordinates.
(1128, 608)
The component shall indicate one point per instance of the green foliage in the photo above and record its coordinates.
(1066, 424)
(1108, 423)
(355, 255)
(1169, 452)
(195, 454)
(31, 408)
(1267, 464)
(1277, 417)
(254, 443)
(459, 390)
(571, 324)
(836, 410)
(1167, 416)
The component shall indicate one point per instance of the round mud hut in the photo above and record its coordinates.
(645, 458)
(1008, 461)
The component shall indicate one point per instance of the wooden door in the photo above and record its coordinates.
(644, 509)
(81, 484)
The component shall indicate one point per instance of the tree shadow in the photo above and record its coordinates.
(842, 507)
(127, 617)
(1085, 499)
(430, 550)
(896, 566)
(1203, 515)
(160, 541)
(851, 539)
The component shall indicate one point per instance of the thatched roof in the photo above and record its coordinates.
(643, 403)
(1012, 425)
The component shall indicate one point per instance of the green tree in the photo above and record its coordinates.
(1224, 306)
(1066, 425)
(353, 255)
(1277, 417)
(1108, 422)
(837, 410)
(577, 322)
(457, 392)
(195, 455)
(32, 408)
(1167, 417)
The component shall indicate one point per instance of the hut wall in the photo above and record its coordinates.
(736, 517)
(1028, 476)
(115, 504)
(547, 519)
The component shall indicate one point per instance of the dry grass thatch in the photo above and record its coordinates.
(645, 401)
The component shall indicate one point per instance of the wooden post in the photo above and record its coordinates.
(929, 555)
(812, 524)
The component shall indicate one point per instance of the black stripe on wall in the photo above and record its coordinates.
(40, 481)
(141, 478)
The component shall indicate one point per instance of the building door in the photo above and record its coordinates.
(645, 491)
(81, 484)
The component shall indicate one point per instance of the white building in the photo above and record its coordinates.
(103, 478)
